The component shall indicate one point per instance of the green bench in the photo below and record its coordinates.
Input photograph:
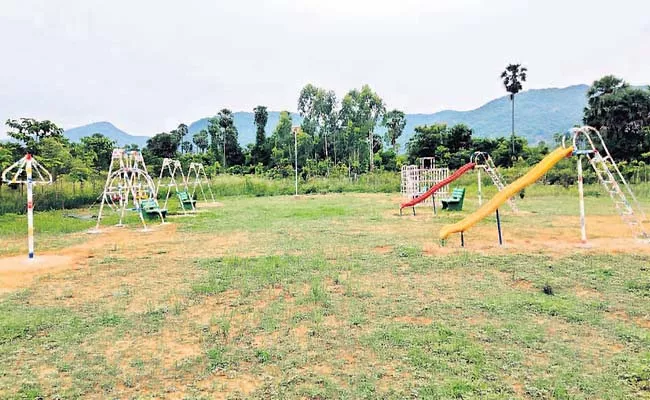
(455, 202)
(151, 208)
(186, 199)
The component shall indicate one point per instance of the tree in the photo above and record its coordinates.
(428, 141)
(394, 121)
(451, 146)
(216, 138)
(317, 106)
(360, 111)
(162, 145)
(186, 147)
(101, 149)
(200, 139)
(30, 132)
(259, 152)
(622, 114)
(282, 141)
(54, 153)
(513, 76)
(180, 133)
(232, 152)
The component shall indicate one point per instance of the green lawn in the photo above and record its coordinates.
(332, 296)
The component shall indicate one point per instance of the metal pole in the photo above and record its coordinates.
(480, 195)
(581, 195)
(499, 228)
(462, 239)
(295, 150)
(433, 198)
(30, 207)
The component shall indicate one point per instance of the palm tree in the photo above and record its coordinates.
(513, 76)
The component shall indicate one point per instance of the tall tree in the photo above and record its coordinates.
(513, 76)
(200, 139)
(360, 111)
(394, 121)
(181, 132)
(186, 146)
(162, 145)
(232, 152)
(216, 138)
(30, 132)
(101, 148)
(317, 106)
(259, 152)
(622, 114)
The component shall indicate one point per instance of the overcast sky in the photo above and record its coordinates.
(147, 65)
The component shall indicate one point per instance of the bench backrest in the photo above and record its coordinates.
(458, 193)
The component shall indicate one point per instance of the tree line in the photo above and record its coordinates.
(334, 137)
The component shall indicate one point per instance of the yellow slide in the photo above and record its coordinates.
(488, 208)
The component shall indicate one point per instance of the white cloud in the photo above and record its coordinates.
(148, 65)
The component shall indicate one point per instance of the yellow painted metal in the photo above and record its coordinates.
(509, 191)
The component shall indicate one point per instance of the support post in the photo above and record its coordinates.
(581, 195)
(30, 207)
(295, 150)
(433, 199)
(462, 239)
(499, 228)
(480, 194)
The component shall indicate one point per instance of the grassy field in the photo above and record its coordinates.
(330, 296)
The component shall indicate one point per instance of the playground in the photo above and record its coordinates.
(327, 297)
(176, 295)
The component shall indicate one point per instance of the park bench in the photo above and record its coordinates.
(455, 202)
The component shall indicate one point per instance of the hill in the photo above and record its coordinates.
(539, 114)
(107, 129)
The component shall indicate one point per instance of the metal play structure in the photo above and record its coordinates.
(197, 173)
(169, 171)
(589, 144)
(128, 183)
(586, 143)
(30, 167)
(417, 179)
(483, 162)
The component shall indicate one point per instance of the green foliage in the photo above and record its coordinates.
(99, 148)
(622, 114)
(394, 121)
(30, 132)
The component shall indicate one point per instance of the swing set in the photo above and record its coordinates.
(129, 187)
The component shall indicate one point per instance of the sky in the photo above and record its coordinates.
(148, 65)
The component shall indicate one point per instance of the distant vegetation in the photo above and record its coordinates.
(337, 139)
(540, 113)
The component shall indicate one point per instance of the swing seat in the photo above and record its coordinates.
(151, 209)
(455, 202)
(185, 198)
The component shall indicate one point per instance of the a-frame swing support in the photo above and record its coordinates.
(172, 168)
(198, 172)
(127, 178)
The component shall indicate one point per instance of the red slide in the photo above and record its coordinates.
(460, 171)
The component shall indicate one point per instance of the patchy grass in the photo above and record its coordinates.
(334, 296)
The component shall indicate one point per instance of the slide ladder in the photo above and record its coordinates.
(603, 167)
(611, 179)
(498, 180)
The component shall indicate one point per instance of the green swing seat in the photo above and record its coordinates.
(151, 208)
(185, 198)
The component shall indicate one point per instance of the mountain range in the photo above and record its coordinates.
(539, 113)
